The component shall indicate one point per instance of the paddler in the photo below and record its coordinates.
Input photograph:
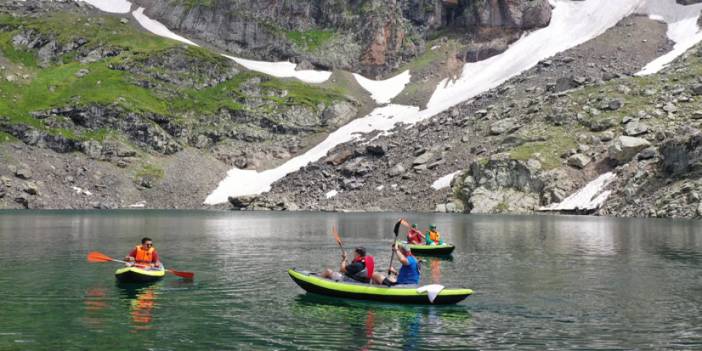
(360, 269)
(409, 272)
(144, 254)
(414, 236)
(433, 236)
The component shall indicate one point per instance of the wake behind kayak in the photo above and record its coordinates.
(398, 294)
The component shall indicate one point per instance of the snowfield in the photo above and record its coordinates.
(682, 29)
(157, 28)
(445, 181)
(382, 91)
(111, 6)
(589, 198)
(283, 69)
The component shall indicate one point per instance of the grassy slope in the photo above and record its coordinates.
(58, 85)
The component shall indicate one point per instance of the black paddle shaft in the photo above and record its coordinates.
(392, 255)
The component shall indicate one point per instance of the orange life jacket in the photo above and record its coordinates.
(144, 256)
(434, 236)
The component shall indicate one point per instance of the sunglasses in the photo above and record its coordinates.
(148, 244)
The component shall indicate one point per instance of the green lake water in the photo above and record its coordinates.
(540, 282)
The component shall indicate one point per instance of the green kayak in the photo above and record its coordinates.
(432, 250)
(313, 283)
(139, 275)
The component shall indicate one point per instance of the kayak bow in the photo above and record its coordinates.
(139, 275)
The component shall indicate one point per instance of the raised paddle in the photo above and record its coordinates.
(338, 240)
(395, 230)
(95, 257)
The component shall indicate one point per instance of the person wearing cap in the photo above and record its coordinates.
(433, 236)
(409, 272)
(414, 236)
(360, 269)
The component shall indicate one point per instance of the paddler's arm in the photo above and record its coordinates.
(400, 256)
(343, 264)
(155, 259)
(131, 257)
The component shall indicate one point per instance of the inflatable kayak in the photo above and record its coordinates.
(139, 275)
(398, 294)
(436, 250)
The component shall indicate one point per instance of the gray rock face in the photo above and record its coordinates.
(625, 148)
(679, 155)
(688, 2)
(396, 170)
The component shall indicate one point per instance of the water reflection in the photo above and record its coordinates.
(142, 299)
(94, 302)
(375, 325)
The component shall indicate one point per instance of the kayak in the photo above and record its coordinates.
(139, 275)
(436, 250)
(313, 283)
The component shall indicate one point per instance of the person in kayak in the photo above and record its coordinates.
(433, 236)
(414, 236)
(409, 272)
(144, 254)
(360, 269)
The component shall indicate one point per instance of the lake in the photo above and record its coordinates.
(540, 282)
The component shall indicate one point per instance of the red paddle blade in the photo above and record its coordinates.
(186, 275)
(405, 223)
(98, 257)
(336, 235)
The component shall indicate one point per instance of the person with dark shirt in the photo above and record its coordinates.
(144, 254)
(360, 269)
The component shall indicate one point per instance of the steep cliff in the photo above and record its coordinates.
(368, 36)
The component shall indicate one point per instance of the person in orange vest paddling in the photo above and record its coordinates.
(144, 254)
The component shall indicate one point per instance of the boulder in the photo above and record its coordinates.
(504, 126)
(241, 202)
(357, 167)
(636, 128)
(422, 159)
(23, 172)
(30, 188)
(377, 149)
(396, 170)
(578, 161)
(625, 148)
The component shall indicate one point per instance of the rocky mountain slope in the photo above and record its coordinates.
(102, 114)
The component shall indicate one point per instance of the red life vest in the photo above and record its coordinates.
(144, 256)
(369, 262)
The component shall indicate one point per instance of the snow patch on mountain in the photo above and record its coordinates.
(157, 27)
(111, 6)
(382, 91)
(682, 29)
(283, 69)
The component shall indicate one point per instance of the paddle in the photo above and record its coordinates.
(395, 230)
(338, 239)
(95, 257)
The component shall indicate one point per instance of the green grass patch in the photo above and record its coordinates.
(310, 40)
(303, 94)
(550, 151)
(6, 138)
(150, 170)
